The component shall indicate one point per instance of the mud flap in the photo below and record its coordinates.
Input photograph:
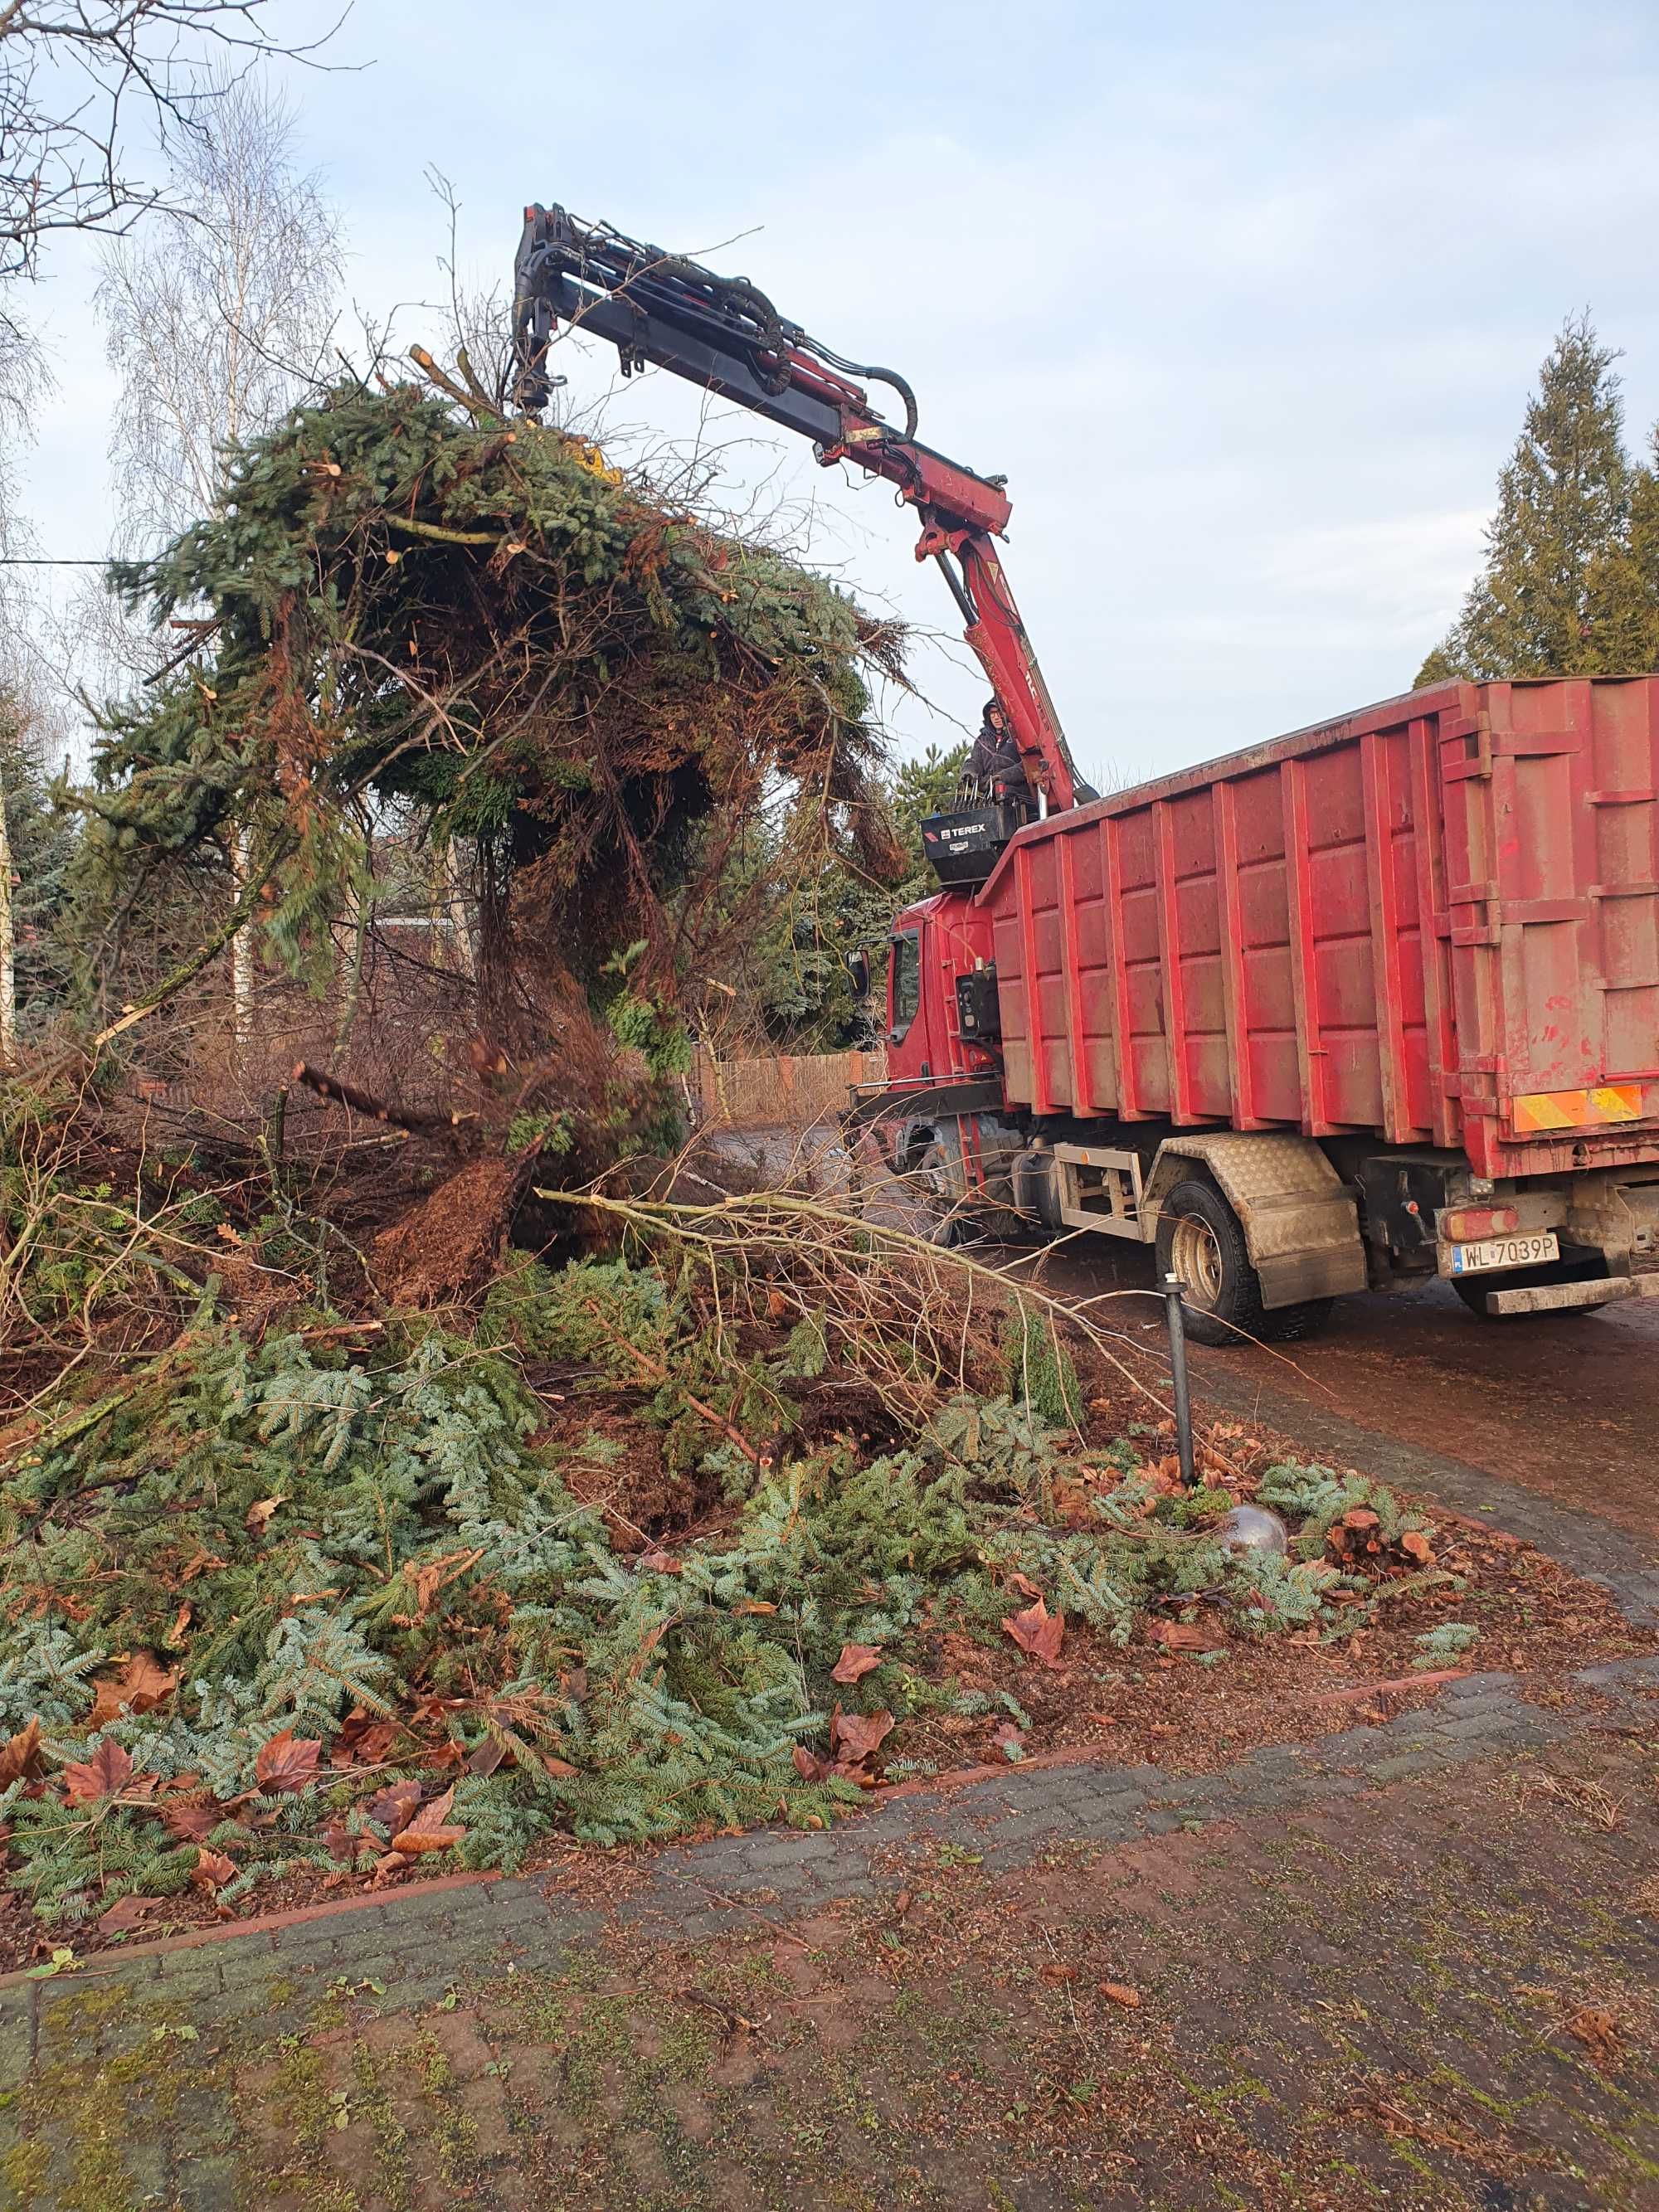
(1301, 1226)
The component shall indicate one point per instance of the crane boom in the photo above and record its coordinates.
(722, 333)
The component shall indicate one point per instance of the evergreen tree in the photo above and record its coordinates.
(1644, 542)
(35, 849)
(792, 974)
(1562, 592)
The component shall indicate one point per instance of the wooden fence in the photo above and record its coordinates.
(784, 1090)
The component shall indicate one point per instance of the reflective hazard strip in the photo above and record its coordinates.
(1575, 1110)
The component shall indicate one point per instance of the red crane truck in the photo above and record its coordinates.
(1374, 1002)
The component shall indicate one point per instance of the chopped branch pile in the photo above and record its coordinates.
(665, 1543)
(406, 600)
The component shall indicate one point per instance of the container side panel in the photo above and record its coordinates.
(1268, 1023)
(1143, 963)
(1012, 996)
(1410, 1012)
(1345, 1086)
(1197, 908)
(1626, 803)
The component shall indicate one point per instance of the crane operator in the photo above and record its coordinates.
(994, 773)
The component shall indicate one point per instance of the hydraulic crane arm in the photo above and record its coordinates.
(722, 333)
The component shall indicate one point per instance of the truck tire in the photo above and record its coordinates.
(1200, 1239)
(1473, 1289)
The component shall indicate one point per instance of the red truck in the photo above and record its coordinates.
(1374, 1002)
(1371, 1003)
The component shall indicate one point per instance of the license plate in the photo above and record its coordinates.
(1505, 1252)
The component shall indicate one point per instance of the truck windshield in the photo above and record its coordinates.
(907, 982)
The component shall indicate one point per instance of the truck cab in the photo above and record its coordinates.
(932, 1035)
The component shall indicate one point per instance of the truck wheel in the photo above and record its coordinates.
(1473, 1289)
(1200, 1239)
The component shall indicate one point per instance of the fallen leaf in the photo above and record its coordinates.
(427, 1832)
(125, 1915)
(1037, 1631)
(108, 1770)
(257, 1514)
(1121, 1994)
(284, 1764)
(1010, 1741)
(1597, 2029)
(485, 1756)
(1023, 1586)
(175, 1635)
(855, 1737)
(366, 1745)
(855, 1662)
(392, 1805)
(754, 1605)
(1178, 1635)
(20, 1759)
(211, 1871)
(192, 1821)
(140, 1686)
(662, 1563)
(808, 1764)
(342, 1844)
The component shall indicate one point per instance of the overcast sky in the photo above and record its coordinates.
(1245, 301)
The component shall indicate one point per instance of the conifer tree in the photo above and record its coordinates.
(1644, 542)
(1562, 592)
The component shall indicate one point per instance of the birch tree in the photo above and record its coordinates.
(217, 318)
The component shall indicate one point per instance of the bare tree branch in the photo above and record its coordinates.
(71, 74)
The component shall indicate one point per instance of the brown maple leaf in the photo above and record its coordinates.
(855, 1662)
(211, 1871)
(392, 1805)
(108, 1770)
(20, 1758)
(342, 1844)
(427, 1831)
(140, 1686)
(284, 1764)
(191, 1819)
(125, 1915)
(855, 1737)
(1178, 1635)
(1037, 1631)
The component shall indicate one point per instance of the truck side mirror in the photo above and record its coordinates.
(858, 973)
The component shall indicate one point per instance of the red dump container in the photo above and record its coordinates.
(1436, 921)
